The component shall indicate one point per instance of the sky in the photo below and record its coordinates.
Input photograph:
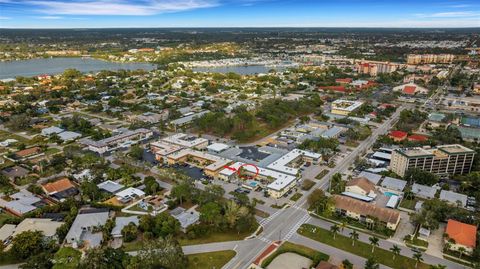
(238, 13)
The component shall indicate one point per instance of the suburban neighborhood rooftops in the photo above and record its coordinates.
(121, 222)
(393, 183)
(453, 197)
(362, 183)
(372, 177)
(423, 190)
(58, 186)
(15, 171)
(462, 233)
(110, 186)
(47, 226)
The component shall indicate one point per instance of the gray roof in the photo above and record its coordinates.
(15, 171)
(453, 197)
(188, 119)
(372, 177)
(22, 202)
(121, 222)
(82, 222)
(394, 184)
(110, 186)
(52, 130)
(424, 191)
(187, 218)
(332, 132)
(67, 135)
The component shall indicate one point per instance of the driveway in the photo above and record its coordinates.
(435, 242)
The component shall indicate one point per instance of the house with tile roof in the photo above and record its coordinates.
(60, 189)
(459, 234)
(398, 136)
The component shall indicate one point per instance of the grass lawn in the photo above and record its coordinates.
(361, 249)
(296, 196)
(321, 174)
(67, 257)
(408, 204)
(210, 260)
(415, 242)
(315, 256)
(217, 237)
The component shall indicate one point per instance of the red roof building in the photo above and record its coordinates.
(409, 90)
(417, 138)
(464, 235)
(398, 136)
(334, 88)
(344, 80)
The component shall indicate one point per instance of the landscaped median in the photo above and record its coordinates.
(361, 249)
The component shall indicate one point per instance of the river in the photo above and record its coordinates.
(51, 66)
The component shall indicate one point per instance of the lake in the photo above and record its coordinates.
(51, 66)
(242, 70)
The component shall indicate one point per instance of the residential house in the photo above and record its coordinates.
(83, 231)
(461, 235)
(60, 189)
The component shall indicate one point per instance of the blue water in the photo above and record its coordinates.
(389, 194)
(52, 66)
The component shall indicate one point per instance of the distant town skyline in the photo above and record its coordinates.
(237, 13)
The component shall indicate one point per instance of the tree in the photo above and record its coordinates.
(136, 152)
(417, 256)
(91, 190)
(129, 232)
(182, 191)
(461, 251)
(27, 244)
(103, 258)
(233, 212)
(419, 176)
(354, 236)
(211, 213)
(19, 122)
(151, 185)
(334, 229)
(395, 250)
(40, 261)
(374, 241)
(320, 202)
(160, 253)
(347, 264)
(371, 263)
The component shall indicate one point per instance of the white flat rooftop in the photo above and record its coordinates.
(183, 141)
(281, 163)
(163, 148)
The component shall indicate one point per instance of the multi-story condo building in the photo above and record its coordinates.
(429, 58)
(442, 160)
(373, 68)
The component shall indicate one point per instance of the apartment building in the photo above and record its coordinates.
(442, 160)
(429, 58)
(125, 139)
(344, 107)
(210, 164)
(373, 68)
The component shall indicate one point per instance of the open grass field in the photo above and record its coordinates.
(210, 260)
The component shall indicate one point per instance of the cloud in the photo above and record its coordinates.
(119, 7)
(4, 18)
(453, 14)
(460, 6)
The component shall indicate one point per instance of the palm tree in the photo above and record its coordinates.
(417, 256)
(396, 251)
(347, 264)
(354, 236)
(374, 242)
(334, 229)
(343, 225)
(461, 250)
(371, 263)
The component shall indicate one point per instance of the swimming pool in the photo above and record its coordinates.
(390, 194)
